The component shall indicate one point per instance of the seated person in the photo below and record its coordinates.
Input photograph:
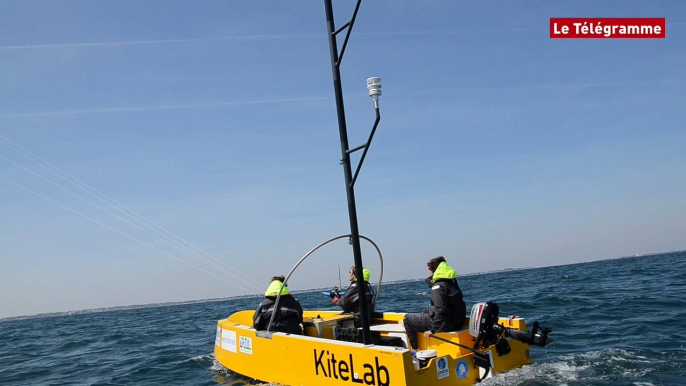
(349, 302)
(447, 311)
(289, 315)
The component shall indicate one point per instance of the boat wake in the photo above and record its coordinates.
(209, 358)
(596, 367)
(225, 376)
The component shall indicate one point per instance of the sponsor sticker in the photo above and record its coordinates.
(442, 368)
(246, 345)
(229, 340)
(461, 369)
(218, 337)
(607, 28)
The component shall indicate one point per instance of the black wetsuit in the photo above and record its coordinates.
(288, 318)
(350, 301)
(446, 312)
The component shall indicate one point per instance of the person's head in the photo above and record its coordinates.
(352, 272)
(275, 287)
(434, 263)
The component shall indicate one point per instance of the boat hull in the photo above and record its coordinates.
(316, 358)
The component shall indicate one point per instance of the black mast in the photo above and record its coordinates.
(345, 152)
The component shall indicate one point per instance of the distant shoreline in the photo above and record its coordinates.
(178, 303)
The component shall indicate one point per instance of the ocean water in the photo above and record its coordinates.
(615, 322)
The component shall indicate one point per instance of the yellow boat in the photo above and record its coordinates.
(325, 354)
(333, 351)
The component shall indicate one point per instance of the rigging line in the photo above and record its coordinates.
(238, 276)
(86, 200)
(82, 185)
(155, 227)
(123, 234)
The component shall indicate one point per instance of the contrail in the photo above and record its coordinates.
(211, 39)
(257, 37)
(248, 38)
(163, 107)
(400, 93)
(159, 41)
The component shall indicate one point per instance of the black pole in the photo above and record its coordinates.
(350, 191)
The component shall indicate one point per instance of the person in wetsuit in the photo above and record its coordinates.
(349, 302)
(289, 315)
(447, 311)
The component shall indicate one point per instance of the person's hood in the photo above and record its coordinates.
(275, 287)
(365, 273)
(443, 271)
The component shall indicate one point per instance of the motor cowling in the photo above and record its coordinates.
(483, 322)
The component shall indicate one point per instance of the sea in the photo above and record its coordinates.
(614, 322)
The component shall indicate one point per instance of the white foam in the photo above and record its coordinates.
(586, 367)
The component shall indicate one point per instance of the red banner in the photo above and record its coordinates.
(607, 28)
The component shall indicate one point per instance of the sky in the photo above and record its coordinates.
(158, 151)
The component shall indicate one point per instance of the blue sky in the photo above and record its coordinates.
(155, 151)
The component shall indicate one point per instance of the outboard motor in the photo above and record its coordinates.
(483, 319)
(483, 326)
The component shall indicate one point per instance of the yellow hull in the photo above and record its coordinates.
(316, 358)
